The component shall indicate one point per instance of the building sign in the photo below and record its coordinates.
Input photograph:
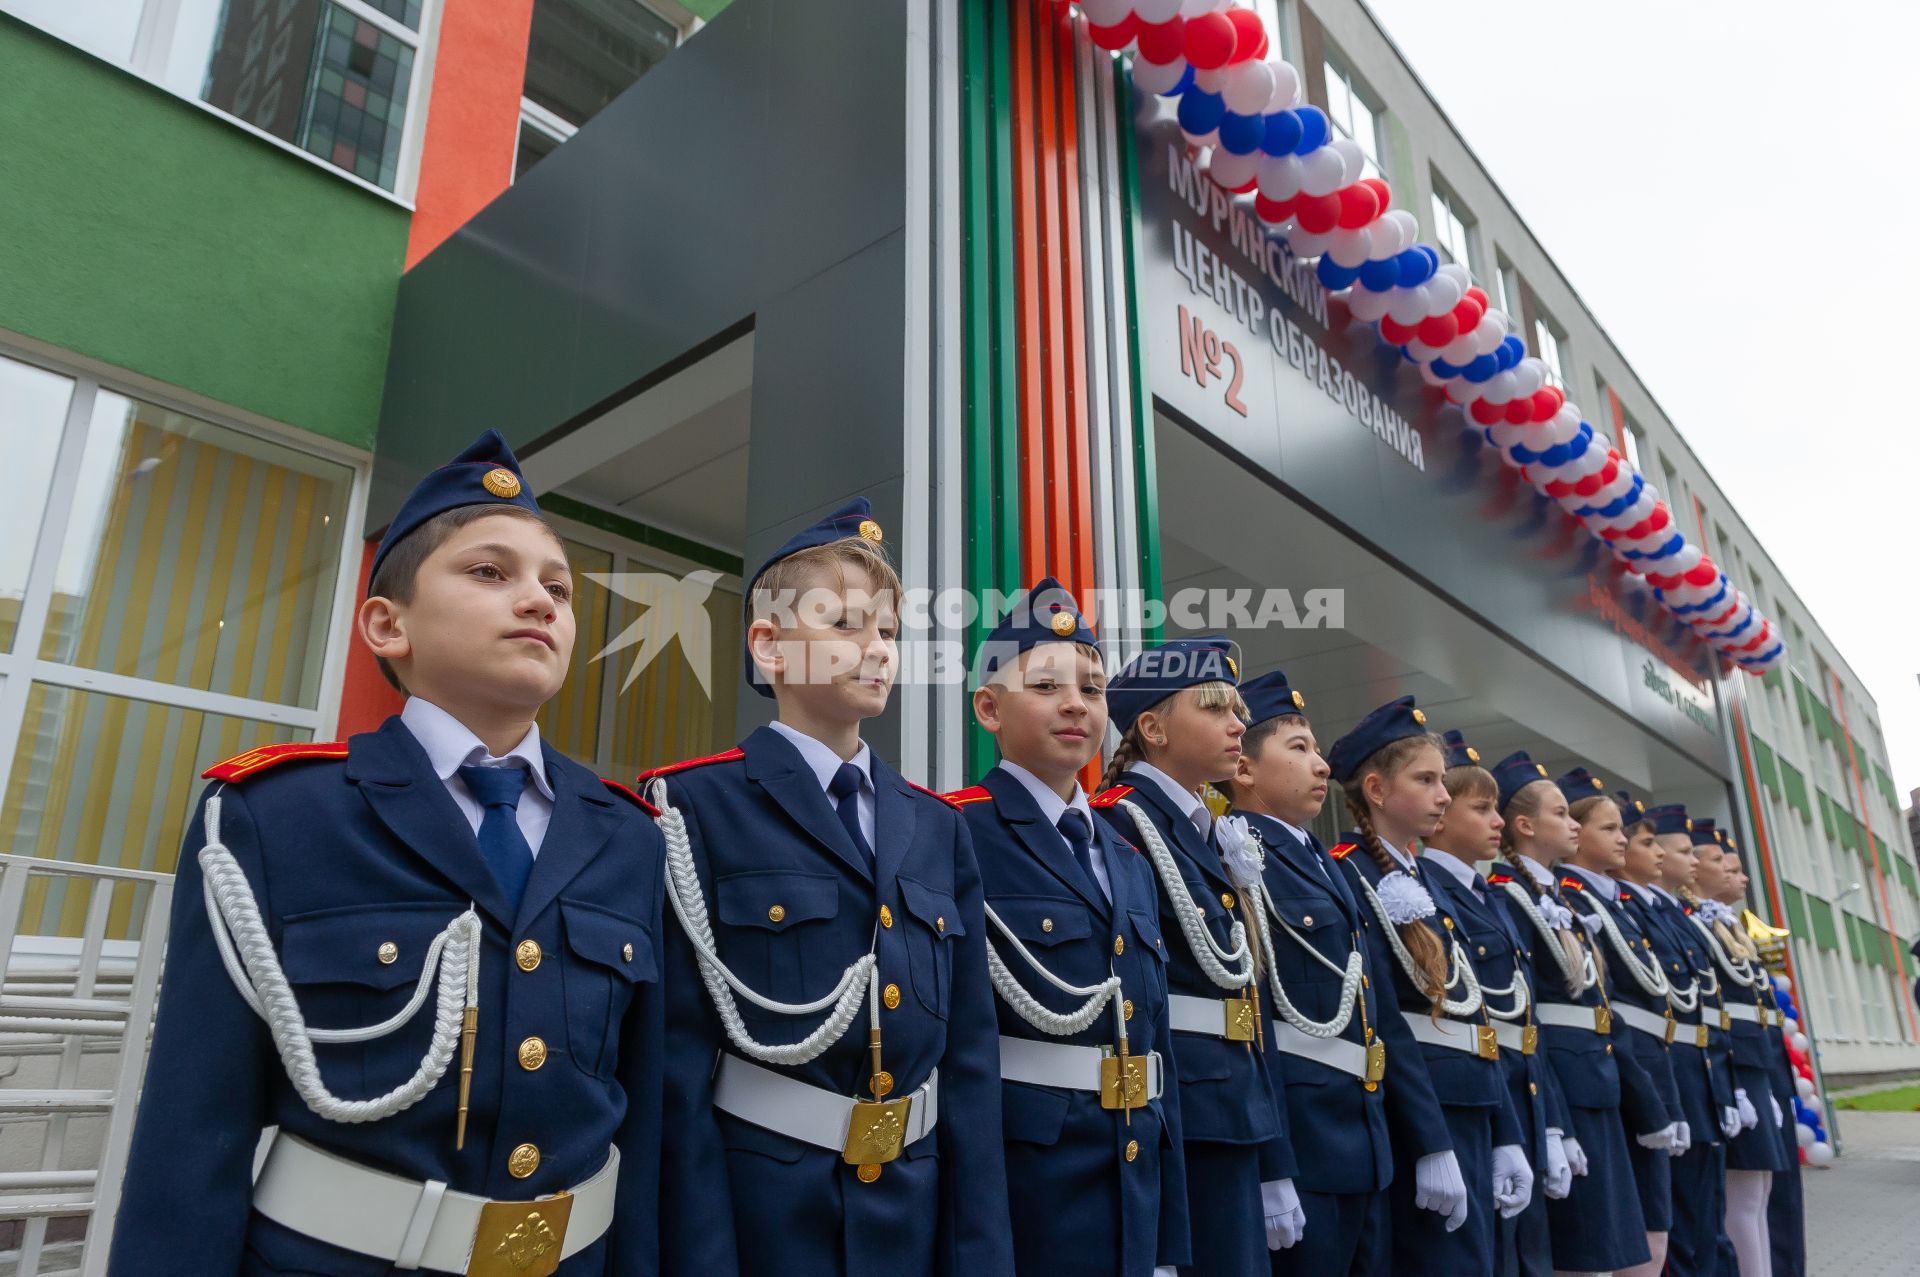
(1243, 346)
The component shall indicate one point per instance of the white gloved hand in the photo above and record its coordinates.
(1438, 1187)
(1682, 1138)
(1749, 1115)
(1576, 1156)
(1166, 1270)
(1286, 1218)
(1730, 1121)
(1778, 1116)
(1661, 1140)
(1512, 1180)
(1556, 1177)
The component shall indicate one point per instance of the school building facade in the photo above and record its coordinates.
(713, 266)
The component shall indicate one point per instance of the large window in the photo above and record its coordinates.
(331, 78)
(1550, 343)
(1451, 224)
(168, 589)
(1354, 115)
(581, 55)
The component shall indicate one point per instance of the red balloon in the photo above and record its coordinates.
(1359, 205)
(1519, 411)
(1397, 334)
(1727, 615)
(1438, 330)
(1317, 216)
(1117, 36)
(1662, 582)
(1547, 401)
(1273, 212)
(1597, 480)
(1210, 41)
(1250, 35)
(1381, 189)
(1478, 296)
(1162, 42)
(1483, 412)
(1703, 572)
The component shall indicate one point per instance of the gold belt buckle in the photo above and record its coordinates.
(1670, 1028)
(1726, 1020)
(1487, 1042)
(1529, 1039)
(1130, 1094)
(1603, 1019)
(1376, 1064)
(520, 1239)
(1700, 1036)
(1239, 1013)
(877, 1132)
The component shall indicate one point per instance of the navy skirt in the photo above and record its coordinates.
(1599, 1227)
(1653, 1174)
(1421, 1243)
(1761, 1148)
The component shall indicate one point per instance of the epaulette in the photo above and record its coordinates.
(1572, 883)
(1499, 880)
(1108, 797)
(1625, 897)
(667, 769)
(971, 794)
(630, 796)
(1344, 850)
(933, 794)
(255, 761)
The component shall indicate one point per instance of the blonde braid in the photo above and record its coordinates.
(1422, 945)
(1125, 755)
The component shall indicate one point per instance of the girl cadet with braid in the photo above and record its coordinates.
(1095, 1172)
(1607, 1096)
(1389, 767)
(1467, 836)
(1636, 989)
(1181, 719)
(1356, 1087)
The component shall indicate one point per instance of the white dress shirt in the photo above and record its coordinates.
(1052, 808)
(1541, 875)
(1602, 885)
(1185, 800)
(1461, 872)
(824, 763)
(451, 745)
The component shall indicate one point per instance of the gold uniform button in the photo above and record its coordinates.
(886, 920)
(388, 953)
(1119, 945)
(1227, 900)
(777, 914)
(1480, 951)
(626, 952)
(523, 1161)
(1609, 1048)
(868, 1173)
(1126, 1009)
(1046, 924)
(527, 954)
(1306, 920)
(891, 997)
(940, 924)
(1533, 1088)
(1133, 1149)
(533, 1053)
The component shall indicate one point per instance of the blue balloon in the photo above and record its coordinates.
(1379, 276)
(1334, 276)
(1414, 268)
(1313, 129)
(1241, 134)
(1283, 131)
(1186, 82)
(1441, 368)
(1432, 255)
(1201, 112)
(1511, 352)
(1480, 368)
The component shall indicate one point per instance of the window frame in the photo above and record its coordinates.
(1355, 90)
(1444, 198)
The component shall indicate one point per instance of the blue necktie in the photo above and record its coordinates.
(845, 791)
(1079, 835)
(502, 845)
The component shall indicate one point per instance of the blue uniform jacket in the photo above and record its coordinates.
(1650, 1052)
(1352, 1131)
(1693, 1069)
(793, 903)
(1226, 1088)
(1080, 1203)
(348, 848)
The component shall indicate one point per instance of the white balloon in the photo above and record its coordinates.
(1367, 306)
(1320, 172)
(1350, 249)
(1488, 334)
(1232, 171)
(1501, 388)
(1421, 352)
(1528, 376)
(1407, 230)
(1155, 12)
(1820, 1154)
(1157, 77)
(1804, 1134)
(1464, 392)
(1105, 13)
(1307, 245)
(1784, 983)
(1248, 87)
(1504, 434)
(1279, 176)
(1800, 1040)
(1447, 292)
(1408, 305)
(1210, 81)
(1432, 378)
(1286, 87)
(1353, 160)
(1194, 8)
(1685, 560)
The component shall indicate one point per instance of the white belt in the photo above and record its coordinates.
(1229, 1018)
(801, 1111)
(1455, 1035)
(1061, 1064)
(413, 1225)
(1654, 1026)
(1750, 1015)
(1560, 1015)
(1336, 1053)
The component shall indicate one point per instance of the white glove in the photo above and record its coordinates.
(1730, 1121)
(1682, 1138)
(1778, 1116)
(1576, 1156)
(1556, 1178)
(1166, 1270)
(1661, 1140)
(1286, 1218)
(1512, 1180)
(1749, 1115)
(1438, 1187)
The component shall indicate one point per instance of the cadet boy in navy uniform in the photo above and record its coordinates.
(1357, 1096)
(452, 820)
(1094, 1163)
(835, 1053)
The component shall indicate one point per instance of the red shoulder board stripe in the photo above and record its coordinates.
(1626, 897)
(1108, 797)
(971, 794)
(932, 794)
(241, 766)
(1344, 850)
(630, 796)
(1572, 884)
(1499, 880)
(667, 769)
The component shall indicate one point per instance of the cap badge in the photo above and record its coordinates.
(1541, 768)
(1419, 719)
(869, 530)
(501, 482)
(1473, 755)
(1299, 701)
(1597, 783)
(1063, 623)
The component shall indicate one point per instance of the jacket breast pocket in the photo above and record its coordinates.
(1146, 933)
(935, 927)
(607, 954)
(1043, 922)
(772, 923)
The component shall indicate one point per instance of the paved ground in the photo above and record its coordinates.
(1863, 1215)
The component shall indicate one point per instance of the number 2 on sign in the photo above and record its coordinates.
(1200, 352)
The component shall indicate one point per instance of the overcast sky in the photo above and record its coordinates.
(1733, 189)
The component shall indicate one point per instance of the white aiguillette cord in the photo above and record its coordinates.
(262, 983)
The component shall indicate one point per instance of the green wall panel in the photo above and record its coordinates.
(145, 232)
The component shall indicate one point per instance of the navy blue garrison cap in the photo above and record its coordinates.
(1703, 832)
(1514, 773)
(1173, 666)
(1581, 783)
(1459, 753)
(487, 473)
(1269, 695)
(1395, 720)
(1670, 819)
(854, 519)
(1632, 809)
(1047, 614)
